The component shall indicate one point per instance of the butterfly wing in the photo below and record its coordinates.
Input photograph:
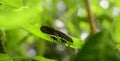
(50, 31)
(47, 30)
(63, 36)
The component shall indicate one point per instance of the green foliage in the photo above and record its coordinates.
(13, 16)
(14, 3)
(98, 48)
(5, 57)
(38, 58)
(115, 31)
(21, 20)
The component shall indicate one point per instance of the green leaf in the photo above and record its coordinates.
(84, 26)
(69, 3)
(72, 28)
(5, 57)
(117, 3)
(14, 3)
(98, 48)
(35, 29)
(95, 7)
(116, 30)
(39, 58)
(106, 24)
(11, 17)
(13, 39)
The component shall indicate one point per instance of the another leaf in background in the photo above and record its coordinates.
(5, 57)
(12, 17)
(115, 33)
(98, 48)
(116, 3)
(84, 26)
(39, 58)
(95, 7)
(116, 30)
(14, 38)
(71, 27)
(106, 24)
(14, 3)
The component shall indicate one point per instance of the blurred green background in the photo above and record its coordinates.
(22, 40)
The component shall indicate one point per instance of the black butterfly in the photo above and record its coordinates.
(55, 34)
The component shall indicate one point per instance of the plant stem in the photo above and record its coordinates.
(2, 47)
(90, 17)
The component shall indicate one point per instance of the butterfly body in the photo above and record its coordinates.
(55, 34)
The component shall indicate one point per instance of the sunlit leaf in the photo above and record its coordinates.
(39, 58)
(14, 3)
(116, 30)
(11, 17)
(5, 57)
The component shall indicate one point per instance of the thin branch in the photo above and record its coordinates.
(2, 47)
(90, 17)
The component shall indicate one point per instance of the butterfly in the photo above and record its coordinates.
(55, 34)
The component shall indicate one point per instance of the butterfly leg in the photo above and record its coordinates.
(54, 38)
(63, 40)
